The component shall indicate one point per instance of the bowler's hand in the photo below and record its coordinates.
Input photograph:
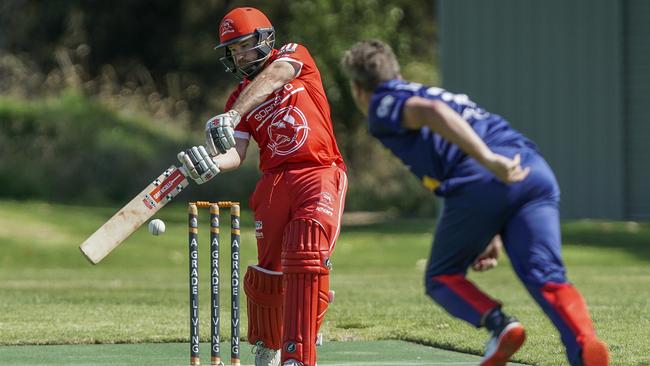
(198, 164)
(488, 259)
(506, 169)
(220, 132)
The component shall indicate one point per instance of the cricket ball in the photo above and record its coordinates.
(156, 226)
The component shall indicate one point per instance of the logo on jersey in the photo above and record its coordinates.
(287, 131)
(290, 347)
(288, 48)
(325, 204)
(470, 109)
(226, 27)
(384, 106)
(259, 226)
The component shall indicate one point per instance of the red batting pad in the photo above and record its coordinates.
(264, 299)
(306, 283)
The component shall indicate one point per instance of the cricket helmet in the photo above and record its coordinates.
(242, 24)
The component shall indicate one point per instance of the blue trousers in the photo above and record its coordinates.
(526, 215)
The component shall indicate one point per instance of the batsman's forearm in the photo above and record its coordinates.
(231, 160)
(273, 77)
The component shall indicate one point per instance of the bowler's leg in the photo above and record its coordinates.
(532, 240)
(462, 233)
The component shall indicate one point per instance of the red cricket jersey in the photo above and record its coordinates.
(293, 125)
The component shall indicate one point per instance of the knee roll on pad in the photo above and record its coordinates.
(305, 264)
(264, 296)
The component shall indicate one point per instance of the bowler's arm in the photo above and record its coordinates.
(440, 118)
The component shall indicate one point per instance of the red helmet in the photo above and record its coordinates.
(241, 24)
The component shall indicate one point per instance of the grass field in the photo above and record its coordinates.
(49, 294)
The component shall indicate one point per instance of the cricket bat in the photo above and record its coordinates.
(130, 217)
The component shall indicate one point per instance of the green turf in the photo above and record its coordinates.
(362, 353)
(50, 295)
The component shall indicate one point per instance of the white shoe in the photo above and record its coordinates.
(266, 356)
(291, 362)
(504, 343)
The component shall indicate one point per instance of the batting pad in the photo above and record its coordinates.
(305, 252)
(264, 299)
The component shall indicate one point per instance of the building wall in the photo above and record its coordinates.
(554, 69)
(637, 104)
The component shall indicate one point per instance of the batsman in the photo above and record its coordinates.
(298, 202)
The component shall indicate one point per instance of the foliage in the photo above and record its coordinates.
(157, 58)
(72, 149)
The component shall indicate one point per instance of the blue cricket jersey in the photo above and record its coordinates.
(440, 165)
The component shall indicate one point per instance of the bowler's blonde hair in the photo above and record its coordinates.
(369, 63)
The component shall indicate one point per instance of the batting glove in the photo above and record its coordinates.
(198, 164)
(220, 132)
